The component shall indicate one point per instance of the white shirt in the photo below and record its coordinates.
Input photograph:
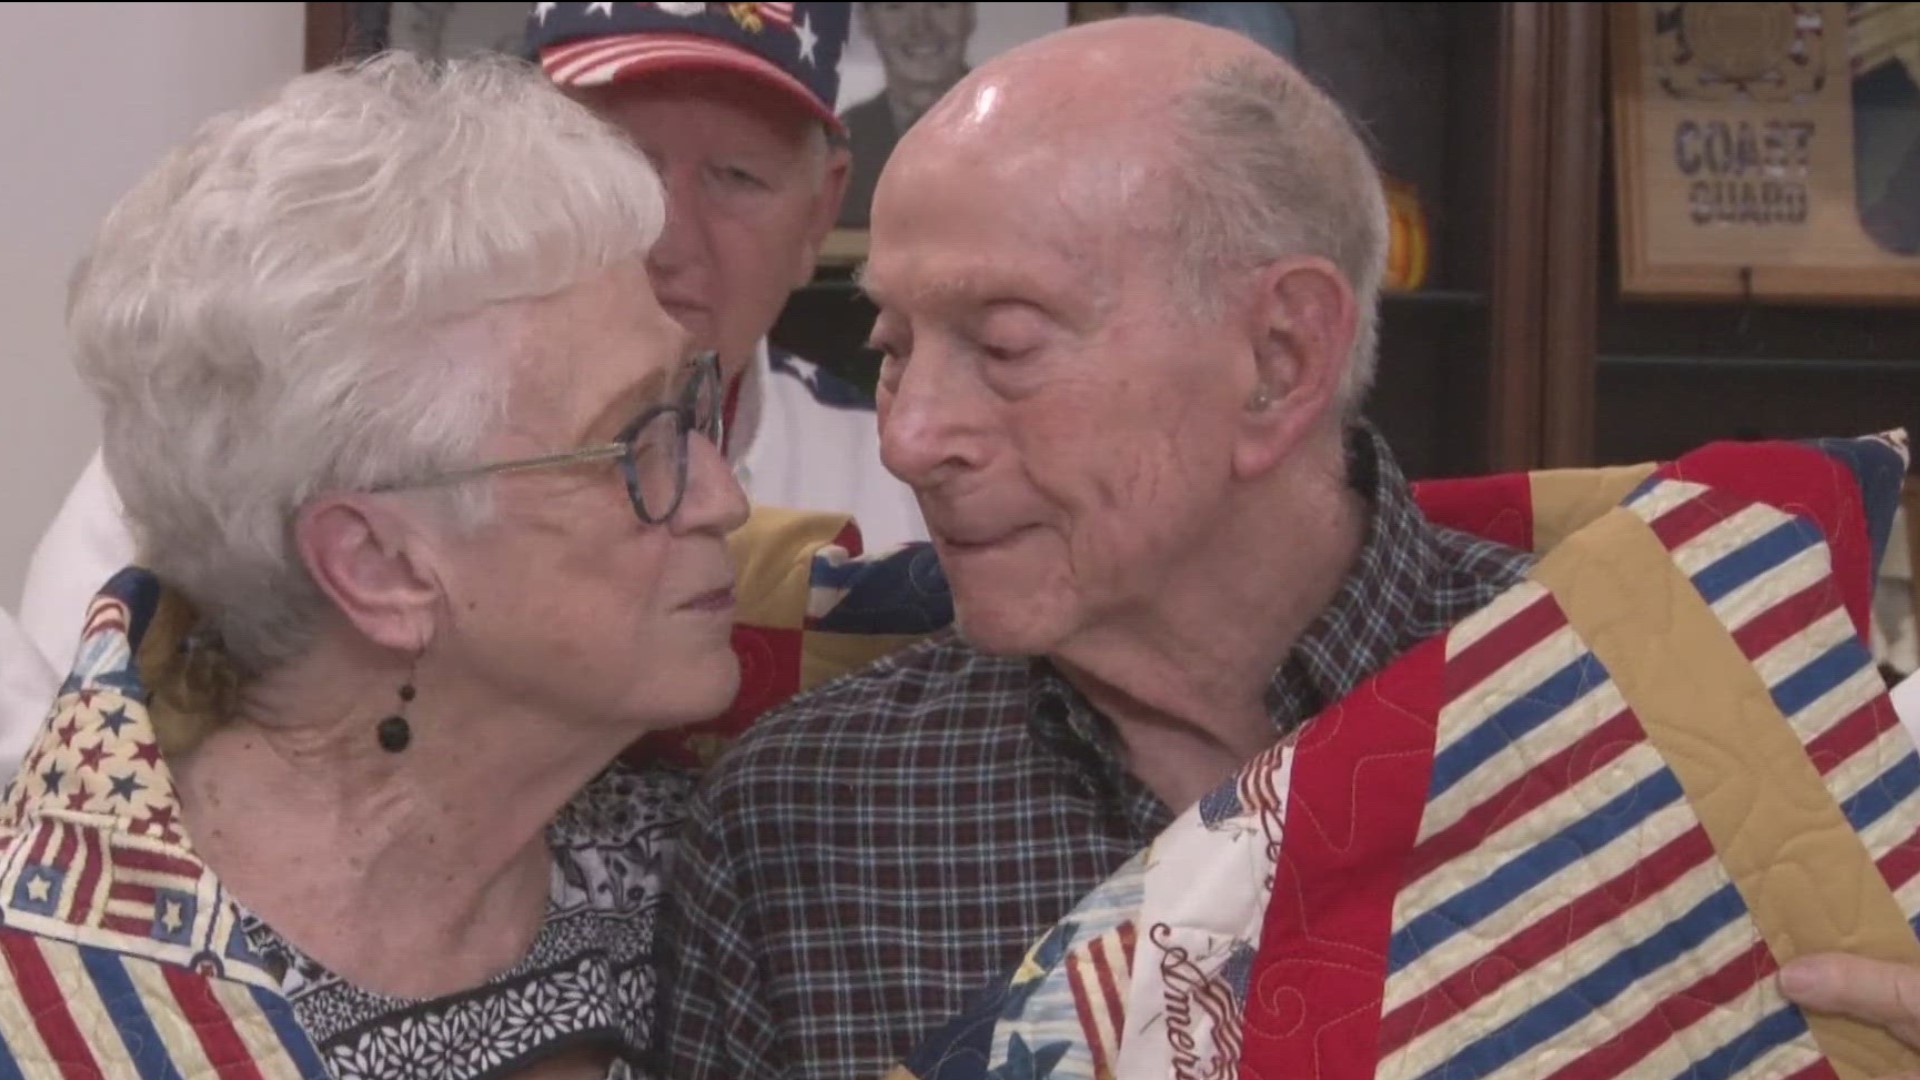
(1906, 705)
(801, 438)
(27, 685)
(805, 439)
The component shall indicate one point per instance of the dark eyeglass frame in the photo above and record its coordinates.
(682, 413)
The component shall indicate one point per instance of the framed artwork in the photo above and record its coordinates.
(440, 30)
(1768, 150)
(900, 59)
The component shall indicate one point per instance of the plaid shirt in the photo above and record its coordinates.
(875, 852)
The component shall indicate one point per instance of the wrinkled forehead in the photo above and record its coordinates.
(1074, 232)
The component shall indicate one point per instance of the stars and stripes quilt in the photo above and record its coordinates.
(122, 953)
(1573, 837)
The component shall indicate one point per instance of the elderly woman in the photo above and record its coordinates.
(432, 525)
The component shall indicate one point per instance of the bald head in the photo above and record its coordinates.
(1168, 125)
(1091, 80)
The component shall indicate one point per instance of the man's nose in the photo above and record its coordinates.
(683, 242)
(931, 423)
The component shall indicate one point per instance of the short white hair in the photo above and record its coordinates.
(1269, 166)
(259, 316)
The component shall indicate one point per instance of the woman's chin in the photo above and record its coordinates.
(697, 694)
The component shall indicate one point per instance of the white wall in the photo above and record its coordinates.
(90, 96)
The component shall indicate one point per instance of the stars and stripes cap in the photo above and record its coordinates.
(791, 48)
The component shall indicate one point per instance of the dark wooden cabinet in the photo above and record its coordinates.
(1654, 379)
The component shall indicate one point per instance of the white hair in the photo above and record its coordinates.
(1269, 166)
(259, 316)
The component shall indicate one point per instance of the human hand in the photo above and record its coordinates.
(1874, 992)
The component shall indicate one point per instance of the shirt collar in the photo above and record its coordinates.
(1377, 614)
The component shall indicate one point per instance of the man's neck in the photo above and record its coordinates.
(414, 873)
(744, 403)
(1185, 684)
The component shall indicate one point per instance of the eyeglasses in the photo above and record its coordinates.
(652, 449)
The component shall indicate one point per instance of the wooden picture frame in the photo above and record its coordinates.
(1767, 151)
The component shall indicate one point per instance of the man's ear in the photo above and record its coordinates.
(825, 211)
(1302, 318)
(374, 566)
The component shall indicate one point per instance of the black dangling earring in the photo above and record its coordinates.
(395, 732)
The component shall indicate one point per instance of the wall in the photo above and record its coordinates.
(90, 96)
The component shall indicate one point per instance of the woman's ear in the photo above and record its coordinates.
(1301, 321)
(373, 565)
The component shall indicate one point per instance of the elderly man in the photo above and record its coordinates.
(734, 105)
(1127, 277)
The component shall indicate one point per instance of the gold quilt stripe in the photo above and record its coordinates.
(1567, 500)
(774, 552)
(1807, 880)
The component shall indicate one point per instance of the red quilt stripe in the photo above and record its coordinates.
(1084, 1007)
(1358, 787)
(1545, 939)
(133, 858)
(43, 997)
(1803, 481)
(850, 539)
(132, 894)
(1765, 631)
(63, 855)
(127, 924)
(37, 851)
(1110, 992)
(1528, 792)
(1096, 990)
(1901, 863)
(1477, 662)
(1680, 1011)
(1689, 519)
(83, 890)
(211, 1025)
(1861, 729)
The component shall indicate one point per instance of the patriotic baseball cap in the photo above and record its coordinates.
(791, 48)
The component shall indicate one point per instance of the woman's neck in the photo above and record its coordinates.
(413, 873)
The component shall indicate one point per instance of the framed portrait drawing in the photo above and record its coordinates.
(1770, 150)
(900, 59)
